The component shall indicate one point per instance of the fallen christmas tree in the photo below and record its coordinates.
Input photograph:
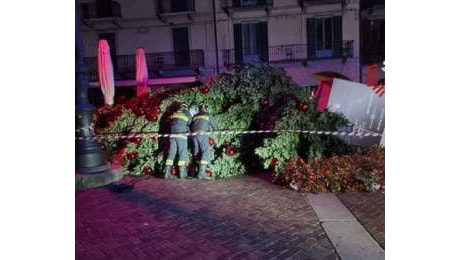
(255, 97)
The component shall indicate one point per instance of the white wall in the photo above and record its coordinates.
(285, 30)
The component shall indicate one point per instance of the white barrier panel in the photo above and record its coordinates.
(361, 106)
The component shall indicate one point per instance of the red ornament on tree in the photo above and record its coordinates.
(174, 171)
(147, 170)
(229, 152)
(263, 102)
(135, 140)
(302, 106)
(211, 141)
(274, 162)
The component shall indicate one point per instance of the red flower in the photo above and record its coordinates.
(141, 112)
(204, 89)
(152, 117)
(118, 158)
(131, 156)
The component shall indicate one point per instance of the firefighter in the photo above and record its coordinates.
(180, 122)
(202, 122)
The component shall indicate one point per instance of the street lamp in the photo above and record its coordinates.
(89, 158)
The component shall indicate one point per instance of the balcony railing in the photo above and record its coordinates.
(109, 9)
(288, 53)
(230, 5)
(304, 3)
(175, 6)
(124, 65)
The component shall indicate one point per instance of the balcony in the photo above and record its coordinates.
(304, 3)
(102, 14)
(167, 9)
(182, 63)
(289, 53)
(231, 6)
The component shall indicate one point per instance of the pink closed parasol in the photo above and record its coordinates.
(105, 72)
(142, 74)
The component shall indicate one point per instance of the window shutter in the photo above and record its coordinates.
(261, 2)
(262, 30)
(337, 31)
(311, 38)
(238, 43)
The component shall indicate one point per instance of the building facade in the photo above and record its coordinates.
(303, 36)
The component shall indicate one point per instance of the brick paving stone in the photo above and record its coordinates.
(369, 209)
(240, 218)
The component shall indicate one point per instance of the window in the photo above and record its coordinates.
(324, 37)
(175, 6)
(178, 6)
(251, 42)
(250, 51)
(248, 2)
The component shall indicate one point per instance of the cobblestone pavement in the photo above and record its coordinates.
(369, 209)
(241, 218)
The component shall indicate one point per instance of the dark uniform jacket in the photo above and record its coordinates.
(202, 121)
(180, 121)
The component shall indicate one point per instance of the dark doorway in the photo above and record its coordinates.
(181, 47)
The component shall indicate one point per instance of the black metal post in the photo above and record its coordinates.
(88, 155)
(215, 34)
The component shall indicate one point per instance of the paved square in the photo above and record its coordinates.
(241, 218)
(369, 209)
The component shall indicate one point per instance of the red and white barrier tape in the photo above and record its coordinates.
(156, 135)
